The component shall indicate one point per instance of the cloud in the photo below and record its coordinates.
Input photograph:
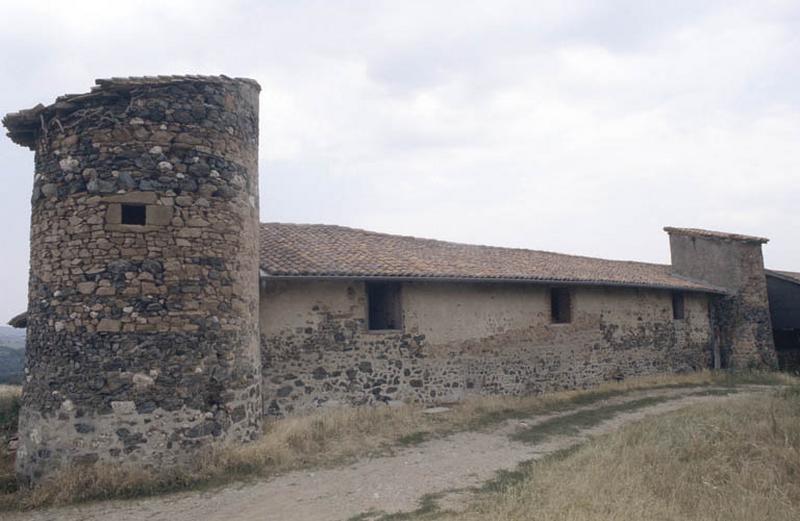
(580, 127)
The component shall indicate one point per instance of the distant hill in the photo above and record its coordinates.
(12, 355)
(11, 337)
(12, 363)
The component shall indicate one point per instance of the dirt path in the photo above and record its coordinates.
(389, 484)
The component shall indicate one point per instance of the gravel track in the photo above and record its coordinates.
(448, 466)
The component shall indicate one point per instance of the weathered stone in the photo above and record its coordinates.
(126, 180)
(133, 198)
(84, 428)
(142, 381)
(163, 137)
(101, 186)
(49, 190)
(435, 410)
(159, 215)
(86, 288)
(197, 222)
(123, 407)
(108, 325)
(86, 459)
(69, 164)
(199, 169)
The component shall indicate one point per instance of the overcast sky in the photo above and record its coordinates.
(578, 127)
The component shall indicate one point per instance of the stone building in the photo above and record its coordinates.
(163, 319)
(783, 288)
(143, 296)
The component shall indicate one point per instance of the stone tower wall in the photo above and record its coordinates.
(741, 318)
(142, 338)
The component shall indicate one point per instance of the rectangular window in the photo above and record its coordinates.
(560, 306)
(383, 301)
(678, 310)
(134, 214)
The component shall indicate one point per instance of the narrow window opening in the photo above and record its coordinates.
(134, 214)
(560, 306)
(383, 300)
(678, 310)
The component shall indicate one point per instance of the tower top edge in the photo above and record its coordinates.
(23, 126)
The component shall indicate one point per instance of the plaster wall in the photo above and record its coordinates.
(743, 316)
(465, 338)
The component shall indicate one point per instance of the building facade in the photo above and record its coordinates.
(454, 339)
(164, 319)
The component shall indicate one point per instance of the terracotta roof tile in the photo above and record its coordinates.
(318, 250)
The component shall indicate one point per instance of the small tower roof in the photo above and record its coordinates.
(19, 321)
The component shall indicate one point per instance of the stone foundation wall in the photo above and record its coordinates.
(142, 338)
(465, 338)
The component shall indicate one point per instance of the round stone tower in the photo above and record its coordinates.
(143, 295)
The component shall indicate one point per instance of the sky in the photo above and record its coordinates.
(576, 127)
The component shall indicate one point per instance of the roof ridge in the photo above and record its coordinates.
(791, 276)
(468, 244)
(335, 251)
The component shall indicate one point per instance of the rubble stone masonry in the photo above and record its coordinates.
(142, 338)
(460, 339)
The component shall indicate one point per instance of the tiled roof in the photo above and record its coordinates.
(24, 125)
(322, 251)
(709, 234)
(791, 276)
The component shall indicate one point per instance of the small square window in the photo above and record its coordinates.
(678, 308)
(383, 300)
(134, 214)
(560, 306)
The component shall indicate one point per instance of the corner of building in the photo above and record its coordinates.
(740, 318)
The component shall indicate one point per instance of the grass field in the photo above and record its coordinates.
(330, 437)
(737, 461)
(9, 413)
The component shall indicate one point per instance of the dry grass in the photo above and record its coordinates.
(734, 461)
(9, 413)
(333, 436)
